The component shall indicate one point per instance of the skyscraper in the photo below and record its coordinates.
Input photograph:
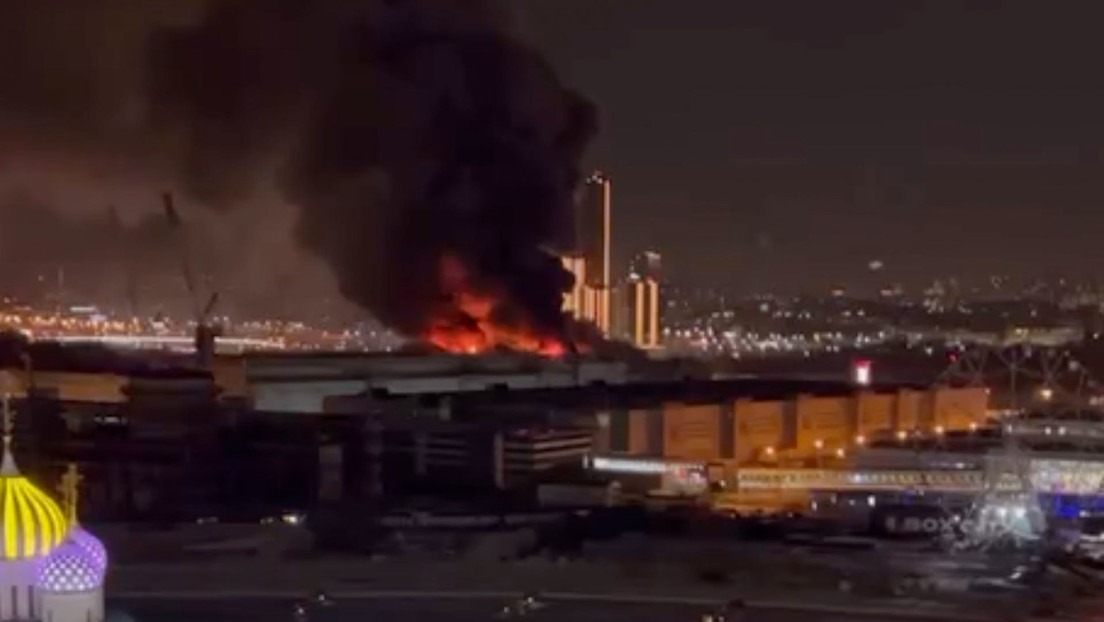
(574, 300)
(639, 314)
(592, 241)
(636, 313)
(647, 264)
(592, 227)
(588, 257)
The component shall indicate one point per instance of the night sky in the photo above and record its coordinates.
(783, 145)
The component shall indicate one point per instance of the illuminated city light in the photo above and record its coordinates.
(643, 467)
(91, 546)
(168, 340)
(163, 333)
(33, 524)
(861, 373)
(69, 569)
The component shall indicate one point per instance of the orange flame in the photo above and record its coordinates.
(466, 323)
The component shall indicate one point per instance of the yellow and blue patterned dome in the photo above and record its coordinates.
(31, 523)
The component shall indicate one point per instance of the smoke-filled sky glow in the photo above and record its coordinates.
(395, 133)
(774, 145)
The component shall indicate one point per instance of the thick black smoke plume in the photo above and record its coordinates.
(410, 132)
(404, 131)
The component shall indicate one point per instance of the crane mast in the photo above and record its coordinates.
(205, 330)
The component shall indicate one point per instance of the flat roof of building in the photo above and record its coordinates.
(688, 391)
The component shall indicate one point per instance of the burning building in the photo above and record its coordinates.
(473, 320)
(431, 162)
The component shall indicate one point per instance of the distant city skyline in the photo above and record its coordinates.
(778, 147)
(782, 145)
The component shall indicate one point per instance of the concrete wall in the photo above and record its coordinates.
(638, 431)
(958, 408)
(759, 425)
(72, 607)
(74, 387)
(823, 420)
(876, 411)
(909, 406)
(691, 432)
(231, 375)
(791, 428)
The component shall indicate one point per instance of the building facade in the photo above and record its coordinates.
(574, 303)
(647, 265)
(638, 319)
(800, 430)
(593, 220)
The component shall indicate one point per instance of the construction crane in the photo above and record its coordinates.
(206, 331)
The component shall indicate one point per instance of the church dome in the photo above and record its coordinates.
(69, 569)
(91, 546)
(31, 523)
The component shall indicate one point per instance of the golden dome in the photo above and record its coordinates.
(31, 523)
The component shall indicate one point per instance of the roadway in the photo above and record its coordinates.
(468, 610)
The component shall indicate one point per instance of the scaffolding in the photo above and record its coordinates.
(1023, 380)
